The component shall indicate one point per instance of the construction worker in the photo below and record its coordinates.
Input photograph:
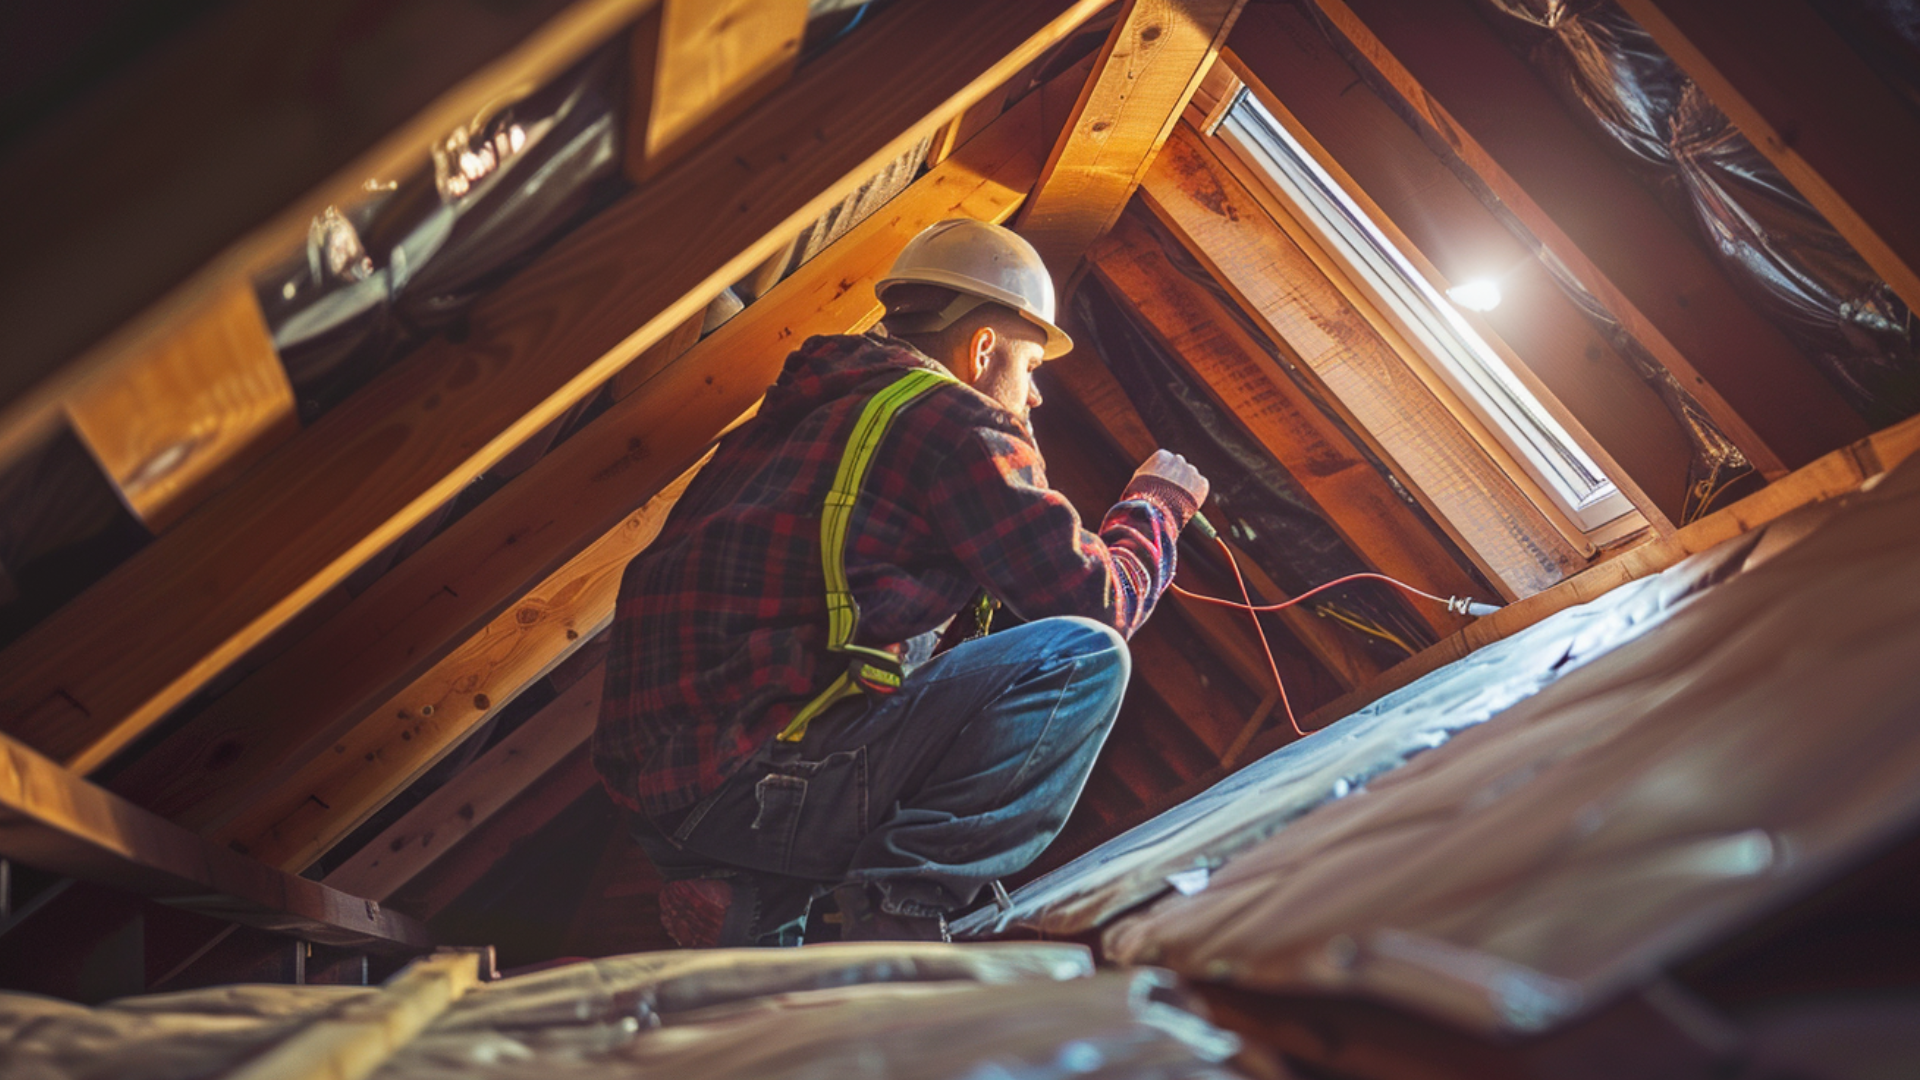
(774, 718)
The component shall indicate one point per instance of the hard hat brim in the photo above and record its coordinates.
(1057, 344)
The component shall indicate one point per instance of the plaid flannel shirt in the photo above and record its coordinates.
(719, 635)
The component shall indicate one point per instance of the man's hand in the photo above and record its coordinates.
(1174, 469)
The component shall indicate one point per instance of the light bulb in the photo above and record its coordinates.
(1480, 294)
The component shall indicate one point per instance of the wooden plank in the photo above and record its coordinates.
(1147, 71)
(657, 356)
(354, 1041)
(1844, 139)
(186, 416)
(302, 519)
(1506, 124)
(412, 844)
(407, 620)
(229, 195)
(520, 822)
(1430, 213)
(1341, 483)
(54, 820)
(698, 64)
(1093, 388)
(293, 820)
(1278, 283)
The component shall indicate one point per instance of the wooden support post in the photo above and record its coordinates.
(185, 417)
(1361, 374)
(466, 802)
(354, 1040)
(1504, 123)
(1350, 494)
(54, 820)
(700, 63)
(1149, 68)
(1806, 100)
(390, 634)
(302, 520)
(1433, 216)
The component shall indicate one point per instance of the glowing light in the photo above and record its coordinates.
(1481, 294)
(516, 137)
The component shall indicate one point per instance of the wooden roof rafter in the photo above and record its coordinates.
(302, 519)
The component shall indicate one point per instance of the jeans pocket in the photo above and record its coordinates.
(810, 815)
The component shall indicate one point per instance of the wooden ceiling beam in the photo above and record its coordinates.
(1352, 496)
(1147, 71)
(698, 64)
(1359, 373)
(299, 522)
(56, 821)
(187, 416)
(1433, 216)
(291, 817)
(228, 194)
(405, 849)
(1845, 139)
(1648, 270)
(483, 564)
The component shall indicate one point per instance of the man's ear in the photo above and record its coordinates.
(980, 351)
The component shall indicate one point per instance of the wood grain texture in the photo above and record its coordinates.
(1349, 493)
(56, 821)
(1277, 283)
(294, 820)
(1148, 69)
(184, 417)
(1505, 123)
(698, 64)
(302, 519)
(1815, 108)
(412, 844)
(408, 619)
(1431, 215)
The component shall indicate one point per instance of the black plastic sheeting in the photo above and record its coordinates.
(1779, 251)
(1263, 509)
(379, 277)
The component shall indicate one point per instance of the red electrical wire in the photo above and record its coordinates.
(1253, 612)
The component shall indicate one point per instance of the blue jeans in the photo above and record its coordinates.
(964, 775)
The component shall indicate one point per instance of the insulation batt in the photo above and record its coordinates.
(907, 1011)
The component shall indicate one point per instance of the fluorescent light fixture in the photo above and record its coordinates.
(1480, 294)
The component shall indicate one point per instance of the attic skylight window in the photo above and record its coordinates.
(1458, 353)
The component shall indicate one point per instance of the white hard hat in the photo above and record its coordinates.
(979, 259)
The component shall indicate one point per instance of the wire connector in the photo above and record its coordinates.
(1467, 605)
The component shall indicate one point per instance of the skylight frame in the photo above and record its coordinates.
(1454, 349)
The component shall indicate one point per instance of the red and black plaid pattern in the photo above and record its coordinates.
(720, 633)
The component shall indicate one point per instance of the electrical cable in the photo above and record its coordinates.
(1459, 604)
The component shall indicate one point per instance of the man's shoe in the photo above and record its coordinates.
(725, 912)
(863, 919)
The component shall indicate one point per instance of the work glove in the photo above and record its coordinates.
(1174, 469)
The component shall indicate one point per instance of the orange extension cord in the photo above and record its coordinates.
(1253, 610)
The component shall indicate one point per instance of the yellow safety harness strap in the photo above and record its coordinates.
(875, 670)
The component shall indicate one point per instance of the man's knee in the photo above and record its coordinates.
(1084, 639)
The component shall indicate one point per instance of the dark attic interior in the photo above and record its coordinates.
(353, 350)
